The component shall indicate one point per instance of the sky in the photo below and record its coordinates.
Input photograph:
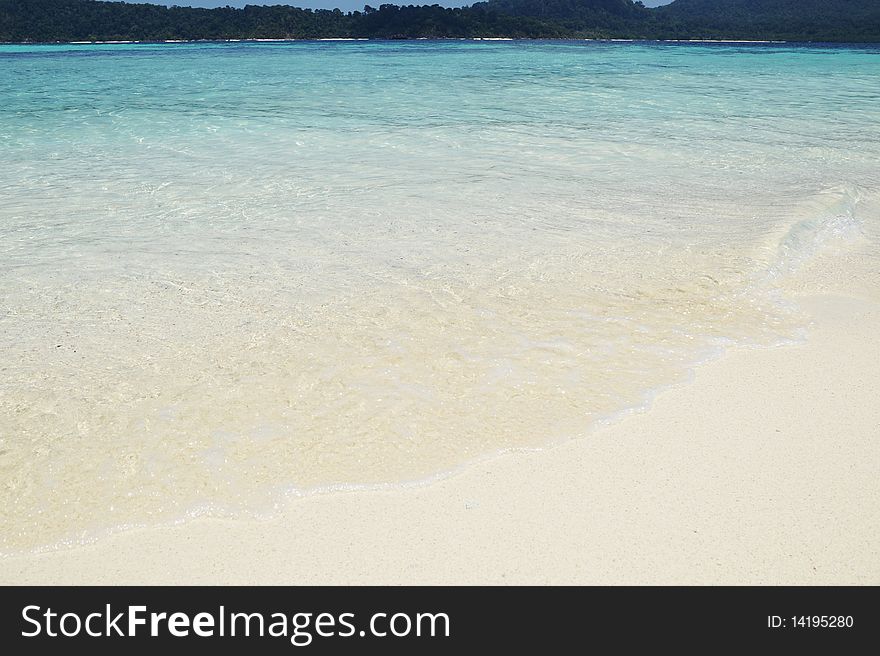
(345, 5)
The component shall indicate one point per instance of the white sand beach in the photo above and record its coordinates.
(761, 470)
(234, 273)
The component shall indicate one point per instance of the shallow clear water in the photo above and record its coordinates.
(234, 271)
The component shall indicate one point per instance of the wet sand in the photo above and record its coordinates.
(762, 469)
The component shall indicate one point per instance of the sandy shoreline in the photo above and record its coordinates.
(761, 470)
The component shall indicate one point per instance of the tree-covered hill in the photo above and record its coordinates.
(791, 20)
(80, 20)
(806, 20)
(794, 20)
(620, 17)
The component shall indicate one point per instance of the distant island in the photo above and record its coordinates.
(36, 21)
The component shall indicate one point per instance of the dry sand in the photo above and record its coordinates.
(763, 469)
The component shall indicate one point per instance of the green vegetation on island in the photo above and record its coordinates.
(790, 20)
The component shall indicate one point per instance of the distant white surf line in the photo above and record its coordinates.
(89, 43)
(492, 38)
(719, 41)
(685, 40)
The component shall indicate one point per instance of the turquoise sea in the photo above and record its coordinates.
(236, 272)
